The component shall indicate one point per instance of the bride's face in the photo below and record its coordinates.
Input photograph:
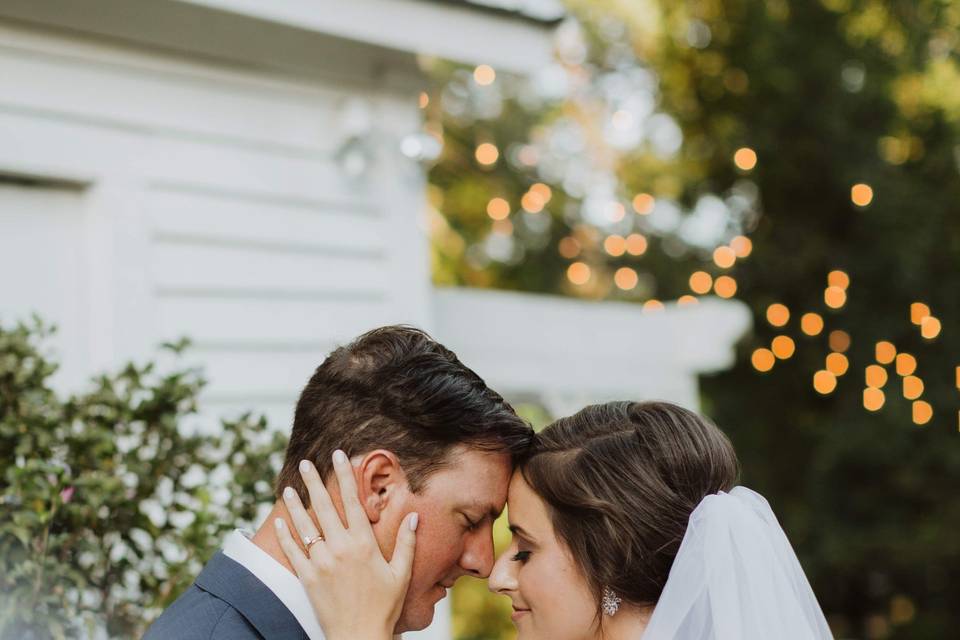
(551, 598)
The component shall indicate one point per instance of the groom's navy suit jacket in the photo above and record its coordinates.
(226, 602)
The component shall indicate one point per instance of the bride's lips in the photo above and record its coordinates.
(518, 613)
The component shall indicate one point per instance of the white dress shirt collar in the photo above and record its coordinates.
(239, 547)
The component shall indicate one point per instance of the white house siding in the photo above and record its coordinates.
(209, 203)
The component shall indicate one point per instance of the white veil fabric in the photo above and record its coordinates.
(736, 577)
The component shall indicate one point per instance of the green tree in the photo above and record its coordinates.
(827, 95)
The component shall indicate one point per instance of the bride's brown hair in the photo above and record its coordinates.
(620, 481)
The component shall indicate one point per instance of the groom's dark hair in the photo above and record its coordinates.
(398, 389)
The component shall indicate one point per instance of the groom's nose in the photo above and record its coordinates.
(477, 558)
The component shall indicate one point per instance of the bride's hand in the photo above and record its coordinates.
(354, 591)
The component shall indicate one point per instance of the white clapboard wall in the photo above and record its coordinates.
(202, 198)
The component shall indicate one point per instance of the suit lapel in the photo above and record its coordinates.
(232, 583)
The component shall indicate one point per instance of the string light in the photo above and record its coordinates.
(542, 190)
(762, 359)
(487, 154)
(643, 203)
(930, 328)
(824, 382)
(885, 352)
(626, 278)
(745, 158)
(876, 376)
(569, 247)
(958, 377)
(724, 257)
(742, 246)
(837, 364)
(778, 314)
(701, 282)
(498, 208)
(839, 341)
(617, 211)
(783, 347)
(906, 364)
(636, 244)
(652, 305)
(811, 324)
(532, 202)
(725, 287)
(578, 273)
(838, 278)
(918, 311)
(484, 75)
(922, 412)
(615, 245)
(912, 387)
(687, 300)
(861, 194)
(873, 399)
(834, 297)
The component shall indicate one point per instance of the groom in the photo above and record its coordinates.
(424, 434)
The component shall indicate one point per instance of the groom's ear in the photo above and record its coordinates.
(379, 479)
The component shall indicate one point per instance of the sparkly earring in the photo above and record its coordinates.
(611, 602)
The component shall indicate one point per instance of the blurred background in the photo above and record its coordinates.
(747, 207)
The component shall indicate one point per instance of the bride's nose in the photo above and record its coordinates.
(503, 577)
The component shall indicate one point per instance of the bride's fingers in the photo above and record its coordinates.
(301, 519)
(402, 560)
(320, 501)
(301, 564)
(356, 517)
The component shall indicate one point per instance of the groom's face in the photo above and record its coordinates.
(457, 508)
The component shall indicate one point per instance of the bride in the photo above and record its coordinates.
(626, 524)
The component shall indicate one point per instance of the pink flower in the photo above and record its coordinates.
(67, 494)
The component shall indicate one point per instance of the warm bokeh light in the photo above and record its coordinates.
(783, 347)
(745, 158)
(724, 257)
(578, 273)
(876, 376)
(701, 282)
(958, 377)
(834, 297)
(762, 359)
(652, 305)
(912, 387)
(484, 75)
(636, 244)
(498, 208)
(487, 154)
(615, 245)
(626, 278)
(861, 194)
(839, 341)
(742, 246)
(778, 314)
(824, 382)
(906, 364)
(922, 412)
(873, 399)
(885, 352)
(811, 324)
(569, 247)
(918, 311)
(542, 190)
(837, 364)
(643, 203)
(687, 300)
(532, 202)
(424, 99)
(930, 327)
(838, 278)
(725, 287)
(617, 211)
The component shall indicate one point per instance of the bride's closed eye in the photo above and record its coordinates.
(521, 556)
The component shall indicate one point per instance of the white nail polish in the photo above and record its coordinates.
(339, 457)
(304, 466)
(289, 493)
(414, 521)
